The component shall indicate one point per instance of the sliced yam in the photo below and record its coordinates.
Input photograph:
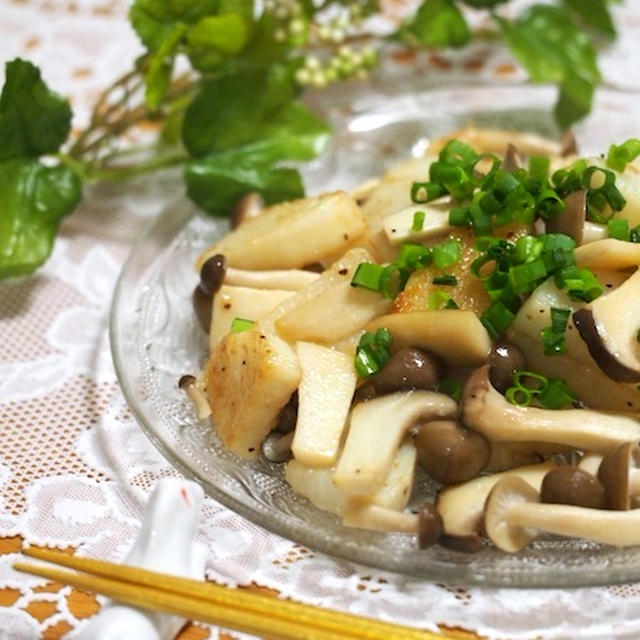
(461, 506)
(330, 309)
(457, 337)
(316, 484)
(324, 399)
(292, 234)
(399, 227)
(283, 279)
(609, 254)
(249, 378)
(579, 370)
(376, 429)
(240, 302)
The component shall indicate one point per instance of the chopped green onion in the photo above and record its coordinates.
(526, 277)
(527, 249)
(422, 192)
(539, 166)
(638, 336)
(519, 396)
(581, 284)
(634, 234)
(447, 278)
(458, 153)
(238, 325)
(418, 221)
(393, 280)
(450, 387)
(620, 155)
(446, 253)
(367, 275)
(553, 337)
(557, 395)
(521, 378)
(373, 352)
(414, 256)
(496, 319)
(618, 228)
(441, 300)
(459, 217)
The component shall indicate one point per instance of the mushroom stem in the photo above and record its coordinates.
(488, 411)
(618, 528)
(286, 279)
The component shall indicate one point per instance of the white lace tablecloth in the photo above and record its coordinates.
(75, 469)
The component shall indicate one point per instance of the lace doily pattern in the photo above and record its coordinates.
(75, 469)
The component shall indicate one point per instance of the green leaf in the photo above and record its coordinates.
(484, 4)
(552, 49)
(594, 13)
(216, 182)
(33, 200)
(235, 109)
(158, 77)
(33, 119)
(437, 23)
(153, 20)
(226, 34)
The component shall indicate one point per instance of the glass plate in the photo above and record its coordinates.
(155, 339)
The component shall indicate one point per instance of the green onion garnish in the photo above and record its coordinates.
(441, 300)
(550, 393)
(497, 318)
(447, 278)
(418, 221)
(618, 228)
(238, 325)
(539, 166)
(620, 155)
(373, 352)
(634, 234)
(367, 275)
(553, 337)
(422, 192)
(446, 253)
(581, 284)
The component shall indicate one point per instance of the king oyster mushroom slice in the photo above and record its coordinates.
(461, 506)
(514, 517)
(609, 327)
(488, 411)
(619, 473)
(377, 428)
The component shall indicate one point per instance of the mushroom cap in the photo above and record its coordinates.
(614, 474)
(430, 526)
(504, 360)
(571, 485)
(471, 543)
(212, 274)
(507, 492)
(571, 220)
(409, 368)
(202, 306)
(449, 453)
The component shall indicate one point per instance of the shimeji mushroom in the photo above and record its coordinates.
(488, 411)
(609, 327)
(567, 484)
(513, 517)
(376, 430)
(189, 384)
(461, 506)
(620, 476)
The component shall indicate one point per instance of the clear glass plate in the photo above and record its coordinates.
(155, 339)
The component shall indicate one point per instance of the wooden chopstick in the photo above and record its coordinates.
(207, 602)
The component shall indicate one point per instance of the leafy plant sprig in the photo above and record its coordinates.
(234, 120)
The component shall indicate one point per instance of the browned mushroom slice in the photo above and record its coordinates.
(514, 516)
(620, 476)
(571, 220)
(609, 327)
(488, 411)
(571, 485)
(449, 453)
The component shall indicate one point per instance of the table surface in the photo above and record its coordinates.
(75, 470)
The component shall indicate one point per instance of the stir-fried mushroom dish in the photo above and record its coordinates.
(472, 316)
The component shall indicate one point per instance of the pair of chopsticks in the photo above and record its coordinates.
(206, 602)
